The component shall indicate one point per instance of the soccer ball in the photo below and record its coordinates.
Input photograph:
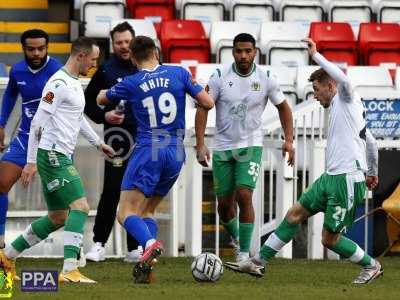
(207, 267)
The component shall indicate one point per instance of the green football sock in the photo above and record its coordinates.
(282, 235)
(232, 227)
(348, 249)
(34, 233)
(245, 234)
(73, 233)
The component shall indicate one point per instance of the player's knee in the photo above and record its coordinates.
(294, 217)
(58, 218)
(80, 204)
(329, 239)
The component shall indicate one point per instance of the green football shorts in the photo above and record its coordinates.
(337, 196)
(236, 168)
(61, 182)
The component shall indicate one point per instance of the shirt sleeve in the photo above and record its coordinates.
(275, 93)
(9, 99)
(213, 85)
(191, 86)
(53, 95)
(119, 92)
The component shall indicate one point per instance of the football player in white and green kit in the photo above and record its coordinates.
(52, 139)
(241, 91)
(351, 151)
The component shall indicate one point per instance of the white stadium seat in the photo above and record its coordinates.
(253, 11)
(222, 35)
(287, 80)
(141, 27)
(98, 15)
(304, 11)
(388, 11)
(304, 87)
(352, 12)
(206, 11)
(371, 81)
(280, 42)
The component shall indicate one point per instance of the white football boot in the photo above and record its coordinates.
(97, 253)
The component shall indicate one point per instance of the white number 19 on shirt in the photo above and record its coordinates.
(167, 106)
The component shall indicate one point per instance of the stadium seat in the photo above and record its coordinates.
(155, 10)
(397, 79)
(206, 11)
(304, 11)
(184, 40)
(3, 70)
(353, 12)
(287, 80)
(379, 43)
(371, 81)
(280, 43)
(253, 11)
(388, 11)
(141, 27)
(58, 32)
(97, 16)
(24, 10)
(335, 41)
(222, 35)
(304, 87)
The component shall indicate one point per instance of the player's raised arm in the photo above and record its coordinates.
(343, 82)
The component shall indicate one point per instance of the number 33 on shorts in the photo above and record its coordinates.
(254, 170)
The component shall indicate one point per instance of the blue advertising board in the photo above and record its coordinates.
(383, 117)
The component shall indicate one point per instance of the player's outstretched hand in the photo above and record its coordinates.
(112, 117)
(203, 155)
(107, 150)
(372, 182)
(28, 173)
(2, 136)
(288, 147)
(312, 47)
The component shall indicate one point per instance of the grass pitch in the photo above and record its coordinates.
(285, 279)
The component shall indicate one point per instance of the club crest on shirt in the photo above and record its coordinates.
(255, 86)
(48, 98)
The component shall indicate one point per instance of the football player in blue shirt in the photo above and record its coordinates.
(27, 78)
(156, 96)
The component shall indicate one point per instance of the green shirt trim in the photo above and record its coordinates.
(253, 69)
(69, 74)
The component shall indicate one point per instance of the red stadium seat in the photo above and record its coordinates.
(158, 9)
(335, 41)
(184, 40)
(379, 43)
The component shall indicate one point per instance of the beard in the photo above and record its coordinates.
(35, 66)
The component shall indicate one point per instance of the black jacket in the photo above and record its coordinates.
(108, 74)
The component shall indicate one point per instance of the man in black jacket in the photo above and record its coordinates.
(117, 127)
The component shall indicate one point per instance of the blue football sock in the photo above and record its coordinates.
(3, 212)
(152, 225)
(138, 229)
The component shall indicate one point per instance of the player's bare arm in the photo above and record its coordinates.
(2, 136)
(205, 103)
(285, 115)
(203, 154)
